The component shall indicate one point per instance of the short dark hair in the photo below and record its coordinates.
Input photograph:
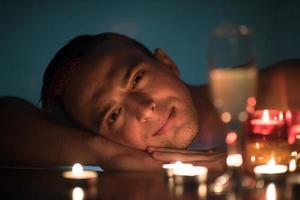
(77, 48)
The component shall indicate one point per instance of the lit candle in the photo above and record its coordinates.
(265, 120)
(265, 124)
(270, 168)
(79, 174)
(172, 166)
(190, 171)
(234, 160)
(180, 170)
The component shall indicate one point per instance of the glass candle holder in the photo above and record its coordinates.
(267, 139)
(293, 127)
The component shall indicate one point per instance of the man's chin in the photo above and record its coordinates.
(184, 139)
(176, 143)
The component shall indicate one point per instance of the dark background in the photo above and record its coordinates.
(33, 30)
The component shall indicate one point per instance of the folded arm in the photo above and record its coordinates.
(30, 138)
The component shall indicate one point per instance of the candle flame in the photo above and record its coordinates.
(178, 163)
(271, 162)
(77, 169)
(270, 168)
(280, 115)
(265, 116)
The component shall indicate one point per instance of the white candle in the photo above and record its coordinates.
(180, 170)
(270, 168)
(191, 171)
(172, 166)
(78, 173)
(265, 120)
(234, 160)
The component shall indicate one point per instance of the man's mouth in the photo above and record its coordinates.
(166, 124)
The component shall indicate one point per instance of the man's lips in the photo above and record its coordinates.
(166, 124)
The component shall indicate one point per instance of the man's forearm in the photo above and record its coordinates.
(28, 137)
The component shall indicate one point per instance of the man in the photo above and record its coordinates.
(120, 101)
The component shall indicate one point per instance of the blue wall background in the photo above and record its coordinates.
(32, 31)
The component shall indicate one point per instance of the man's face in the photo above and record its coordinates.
(132, 99)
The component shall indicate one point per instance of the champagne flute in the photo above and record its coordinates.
(232, 79)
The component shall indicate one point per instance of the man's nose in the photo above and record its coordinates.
(142, 106)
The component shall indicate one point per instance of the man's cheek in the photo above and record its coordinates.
(132, 136)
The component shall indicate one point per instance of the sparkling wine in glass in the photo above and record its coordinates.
(232, 79)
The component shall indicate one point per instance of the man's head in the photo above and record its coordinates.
(119, 89)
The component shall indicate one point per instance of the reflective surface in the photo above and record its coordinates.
(47, 184)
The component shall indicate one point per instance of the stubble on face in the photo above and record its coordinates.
(173, 93)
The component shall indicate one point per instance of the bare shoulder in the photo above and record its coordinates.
(10, 103)
(279, 85)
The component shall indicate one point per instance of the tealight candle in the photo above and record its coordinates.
(181, 171)
(172, 166)
(265, 124)
(78, 173)
(234, 160)
(265, 120)
(267, 138)
(270, 168)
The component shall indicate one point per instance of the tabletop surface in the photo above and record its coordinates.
(49, 184)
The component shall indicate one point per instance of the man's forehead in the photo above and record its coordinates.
(110, 68)
(112, 61)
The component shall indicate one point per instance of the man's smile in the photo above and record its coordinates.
(167, 123)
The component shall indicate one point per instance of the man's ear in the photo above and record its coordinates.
(164, 58)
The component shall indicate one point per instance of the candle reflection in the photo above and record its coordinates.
(292, 165)
(271, 193)
(267, 138)
(179, 189)
(77, 193)
(202, 191)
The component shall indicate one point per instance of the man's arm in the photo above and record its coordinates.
(30, 138)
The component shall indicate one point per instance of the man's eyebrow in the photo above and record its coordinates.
(124, 81)
(128, 72)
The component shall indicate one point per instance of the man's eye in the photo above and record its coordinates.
(138, 77)
(113, 116)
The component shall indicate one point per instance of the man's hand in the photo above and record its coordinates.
(214, 160)
(134, 161)
(113, 156)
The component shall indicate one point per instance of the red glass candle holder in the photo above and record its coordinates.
(267, 124)
(267, 138)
